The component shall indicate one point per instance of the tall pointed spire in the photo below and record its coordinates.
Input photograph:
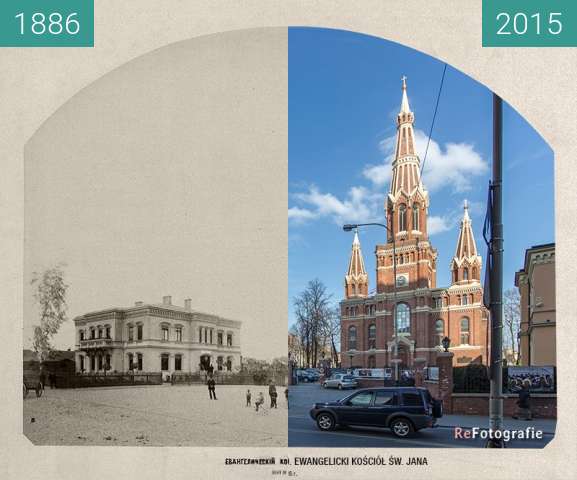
(466, 264)
(406, 164)
(356, 279)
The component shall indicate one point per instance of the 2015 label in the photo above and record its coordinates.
(521, 23)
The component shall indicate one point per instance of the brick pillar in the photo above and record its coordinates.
(445, 364)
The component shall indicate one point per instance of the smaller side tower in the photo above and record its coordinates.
(356, 279)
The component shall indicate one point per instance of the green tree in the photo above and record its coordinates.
(50, 293)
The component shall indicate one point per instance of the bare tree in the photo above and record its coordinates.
(512, 320)
(332, 329)
(51, 297)
(312, 309)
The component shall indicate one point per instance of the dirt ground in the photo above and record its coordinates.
(156, 416)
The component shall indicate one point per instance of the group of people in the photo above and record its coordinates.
(211, 384)
(260, 398)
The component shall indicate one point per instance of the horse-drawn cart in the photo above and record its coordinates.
(32, 380)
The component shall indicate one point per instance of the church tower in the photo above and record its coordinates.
(356, 279)
(406, 205)
(466, 264)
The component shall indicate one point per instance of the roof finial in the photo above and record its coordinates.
(356, 239)
(405, 101)
(466, 208)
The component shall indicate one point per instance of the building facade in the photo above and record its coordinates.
(411, 301)
(536, 284)
(156, 338)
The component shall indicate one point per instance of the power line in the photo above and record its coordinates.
(433, 121)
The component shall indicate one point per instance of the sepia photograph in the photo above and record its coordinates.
(155, 302)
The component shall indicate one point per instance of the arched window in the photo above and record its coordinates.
(372, 363)
(402, 218)
(416, 216)
(465, 274)
(219, 363)
(439, 330)
(352, 338)
(372, 336)
(474, 273)
(403, 318)
(464, 331)
(228, 364)
(455, 276)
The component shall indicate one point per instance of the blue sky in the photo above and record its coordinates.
(344, 94)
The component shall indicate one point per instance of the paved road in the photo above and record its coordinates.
(303, 431)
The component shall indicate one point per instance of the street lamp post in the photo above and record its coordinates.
(349, 227)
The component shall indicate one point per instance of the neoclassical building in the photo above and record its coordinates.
(425, 313)
(156, 338)
(536, 284)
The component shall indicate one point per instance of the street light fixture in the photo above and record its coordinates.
(353, 226)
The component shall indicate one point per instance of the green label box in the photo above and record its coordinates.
(529, 23)
(46, 23)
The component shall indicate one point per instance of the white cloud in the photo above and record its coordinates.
(455, 166)
(300, 215)
(360, 205)
(437, 224)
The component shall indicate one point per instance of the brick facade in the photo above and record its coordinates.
(425, 313)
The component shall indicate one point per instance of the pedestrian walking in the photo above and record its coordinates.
(248, 397)
(259, 401)
(272, 394)
(286, 396)
(211, 388)
(524, 404)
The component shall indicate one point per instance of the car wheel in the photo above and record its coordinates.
(402, 428)
(325, 385)
(325, 421)
(340, 386)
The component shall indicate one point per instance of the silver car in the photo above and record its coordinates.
(340, 381)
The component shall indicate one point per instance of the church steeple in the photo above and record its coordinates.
(356, 279)
(408, 201)
(466, 264)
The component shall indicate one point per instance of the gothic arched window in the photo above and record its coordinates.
(372, 336)
(464, 331)
(403, 318)
(402, 218)
(416, 216)
(352, 338)
(474, 272)
(465, 273)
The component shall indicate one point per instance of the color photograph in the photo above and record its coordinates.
(391, 155)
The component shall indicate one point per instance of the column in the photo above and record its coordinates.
(445, 364)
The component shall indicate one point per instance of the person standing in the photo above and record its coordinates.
(211, 387)
(248, 397)
(272, 394)
(286, 396)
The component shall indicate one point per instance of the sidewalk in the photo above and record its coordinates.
(547, 425)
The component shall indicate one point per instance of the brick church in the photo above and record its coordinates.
(425, 313)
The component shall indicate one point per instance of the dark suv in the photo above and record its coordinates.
(402, 409)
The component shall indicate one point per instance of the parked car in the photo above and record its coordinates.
(306, 376)
(340, 381)
(404, 410)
